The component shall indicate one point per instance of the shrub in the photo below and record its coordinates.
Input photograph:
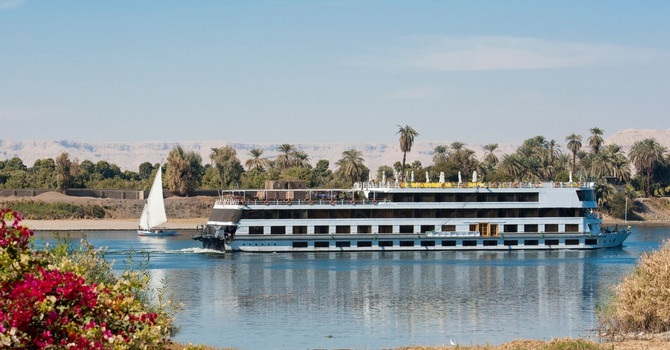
(640, 303)
(55, 298)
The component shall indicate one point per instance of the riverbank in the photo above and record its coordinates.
(106, 224)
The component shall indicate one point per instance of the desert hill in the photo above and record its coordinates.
(129, 155)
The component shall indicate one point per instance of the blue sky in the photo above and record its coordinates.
(331, 71)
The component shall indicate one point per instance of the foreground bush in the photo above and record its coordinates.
(640, 302)
(58, 299)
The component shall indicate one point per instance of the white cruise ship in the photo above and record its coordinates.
(287, 217)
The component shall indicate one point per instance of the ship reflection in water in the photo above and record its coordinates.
(374, 300)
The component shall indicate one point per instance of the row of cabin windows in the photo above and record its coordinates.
(446, 243)
(484, 229)
(459, 197)
(383, 213)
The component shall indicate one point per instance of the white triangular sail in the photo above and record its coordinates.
(153, 214)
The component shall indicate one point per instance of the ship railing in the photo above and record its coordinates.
(339, 201)
(509, 184)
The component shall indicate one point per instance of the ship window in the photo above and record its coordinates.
(299, 230)
(586, 195)
(511, 242)
(321, 229)
(424, 213)
(551, 228)
(511, 228)
(321, 244)
(255, 230)
(529, 213)
(407, 243)
(278, 230)
(490, 243)
(528, 197)
(406, 229)
(342, 229)
(448, 228)
(340, 214)
(299, 244)
(385, 229)
(473, 228)
(404, 213)
(364, 229)
(449, 243)
(530, 228)
(427, 243)
(531, 242)
(427, 228)
(551, 242)
(469, 243)
(364, 244)
(591, 241)
(468, 213)
(549, 212)
(571, 228)
(318, 214)
(343, 244)
(572, 242)
(487, 213)
(385, 243)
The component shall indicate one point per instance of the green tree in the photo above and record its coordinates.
(184, 171)
(43, 173)
(574, 145)
(145, 170)
(286, 157)
(644, 155)
(257, 161)
(351, 166)
(321, 174)
(596, 140)
(63, 172)
(227, 166)
(440, 154)
(407, 135)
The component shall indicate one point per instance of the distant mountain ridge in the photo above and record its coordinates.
(129, 155)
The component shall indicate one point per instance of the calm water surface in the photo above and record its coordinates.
(378, 300)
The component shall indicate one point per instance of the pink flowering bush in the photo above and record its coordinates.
(71, 300)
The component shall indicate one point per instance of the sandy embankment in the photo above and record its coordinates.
(106, 224)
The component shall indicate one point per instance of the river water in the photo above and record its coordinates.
(378, 300)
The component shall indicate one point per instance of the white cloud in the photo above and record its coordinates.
(7, 4)
(507, 53)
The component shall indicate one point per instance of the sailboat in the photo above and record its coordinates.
(153, 214)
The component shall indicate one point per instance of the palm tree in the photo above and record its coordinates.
(596, 139)
(490, 157)
(257, 161)
(301, 159)
(553, 150)
(645, 154)
(440, 154)
(574, 144)
(407, 135)
(351, 166)
(285, 158)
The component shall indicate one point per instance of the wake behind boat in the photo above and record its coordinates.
(153, 214)
(287, 217)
